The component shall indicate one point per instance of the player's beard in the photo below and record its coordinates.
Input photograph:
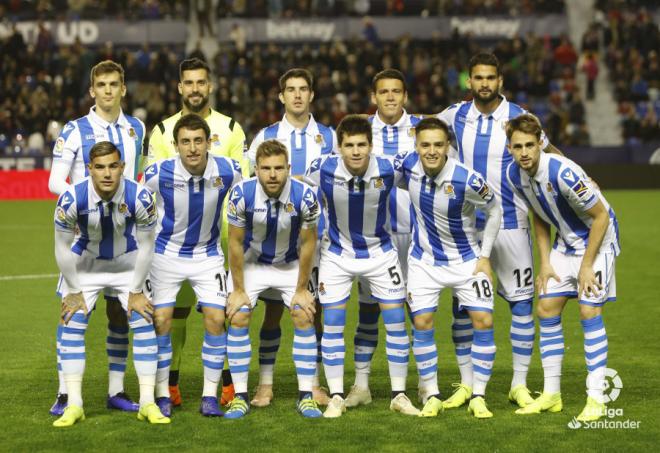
(485, 99)
(196, 108)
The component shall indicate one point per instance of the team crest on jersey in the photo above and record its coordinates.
(319, 140)
(321, 288)
(60, 214)
(289, 208)
(379, 184)
(411, 132)
(218, 183)
(550, 189)
(449, 191)
(131, 133)
(123, 208)
(215, 139)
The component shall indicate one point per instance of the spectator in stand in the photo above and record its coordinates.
(590, 69)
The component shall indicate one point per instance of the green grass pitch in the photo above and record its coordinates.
(28, 377)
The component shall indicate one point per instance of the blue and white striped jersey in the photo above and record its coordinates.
(304, 145)
(78, 137)
(390, 140)
(105, 229)
(190, 207)
(444, 230)
(481, 145)
(272, 226)
(356, 206)
(560, 193)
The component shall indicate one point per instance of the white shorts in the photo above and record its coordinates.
(273, 296)
(427, 281)
(383, 274)
(276, 280)
(401, 242)
(206, 276)
(513, 263)
(567, 268)
(112, 277)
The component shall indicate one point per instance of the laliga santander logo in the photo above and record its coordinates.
(612, 385)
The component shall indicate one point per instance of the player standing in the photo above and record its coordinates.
(227, 139)
(105, 121)
(104, 233)
(356, 188)
(446, 254)
(478, 129)
(272, 245)
(581, 263)
(393, 132)
(190, 190)
(306, 140)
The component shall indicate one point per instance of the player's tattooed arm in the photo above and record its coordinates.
(546, 272)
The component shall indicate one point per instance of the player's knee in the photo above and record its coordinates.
(423, 321)
(482, 320)
(300, 319)
(162, 322)
(589, 311)
(544, 309)
(241, 319)
(181, 312)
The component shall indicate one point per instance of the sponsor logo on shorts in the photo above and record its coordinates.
(321, 288)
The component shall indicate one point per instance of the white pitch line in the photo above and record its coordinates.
(27, 277)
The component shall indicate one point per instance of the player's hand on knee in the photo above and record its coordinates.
(546, 272)
(588, 282)
(71, 303)
(236, 300)
(138, 302)
(483, 266)
(304, 299)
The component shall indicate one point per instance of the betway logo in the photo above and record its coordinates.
(486, 27)
(296, 30)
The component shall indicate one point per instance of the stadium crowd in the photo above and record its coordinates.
(630, 42)
(168, 9)
(43, 84)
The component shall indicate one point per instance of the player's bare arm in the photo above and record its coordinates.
(546, 272)
(302, 297)
(238, 298)
(587, 281)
